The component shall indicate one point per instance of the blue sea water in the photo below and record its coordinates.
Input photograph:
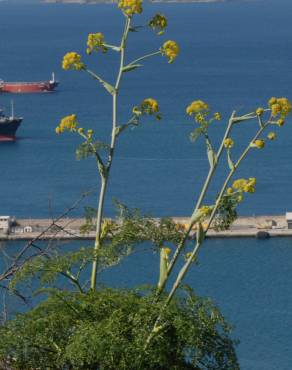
(233, 55)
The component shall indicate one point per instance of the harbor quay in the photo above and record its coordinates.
(69, 228)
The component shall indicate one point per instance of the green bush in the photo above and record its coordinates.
(107, 330)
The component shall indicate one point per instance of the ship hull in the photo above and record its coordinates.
(8, 128)
(28, 87)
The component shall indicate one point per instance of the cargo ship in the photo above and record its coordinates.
(8, 126)
(28, 87)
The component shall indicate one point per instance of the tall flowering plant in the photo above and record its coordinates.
(156, 329)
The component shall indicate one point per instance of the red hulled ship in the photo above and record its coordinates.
(28, 87)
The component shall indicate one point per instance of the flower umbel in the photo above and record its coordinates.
(228, 143)
(205, 211)
(244, 185)
(95, 42)
(260, 111)
(197, 106)
(170, 49)
(159, 23)
(68, 123)
(272, 136)
(259, 143)
(149, 106)
(131, 7)
(280, 106)
(72, 60)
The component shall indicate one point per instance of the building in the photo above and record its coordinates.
(5, 225)
(289, 219)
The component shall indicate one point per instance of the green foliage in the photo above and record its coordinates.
(87, 149)
(107, 330)
(119, 239)
(226, 213)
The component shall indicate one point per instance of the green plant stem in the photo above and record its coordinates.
(104, 178)
(196, 249)
(144, 57)
(198, 205)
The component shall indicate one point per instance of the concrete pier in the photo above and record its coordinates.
(68, 228)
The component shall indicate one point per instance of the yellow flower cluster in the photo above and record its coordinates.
(280, 106)
(259, 143)
(72, 60)
(260, 111)
(228, 143)
(197, 106)
(243, 185)
(149, 106)
(217, 116)
(95, 42)
(67, 123)
(167, 250)
(158, 22)
(131, 7)
(271, 136)
(205, 211)
(170, 49)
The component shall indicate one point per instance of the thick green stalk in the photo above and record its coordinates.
(97, 243)
(105, 176)
(198, 205)
(196, 249)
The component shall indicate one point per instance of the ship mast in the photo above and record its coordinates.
(12, 109)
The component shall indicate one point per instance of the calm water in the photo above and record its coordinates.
(233, 56)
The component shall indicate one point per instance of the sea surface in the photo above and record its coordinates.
(234, 56)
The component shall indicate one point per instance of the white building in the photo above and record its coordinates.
(289, 219)
(5, 224)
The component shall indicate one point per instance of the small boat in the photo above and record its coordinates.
(28, 87)
(9, 125)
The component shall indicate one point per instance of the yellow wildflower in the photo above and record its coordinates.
(72, 60)
(197, 106)
(136, 111)
(272, 136)
(243, 185)
(239, 198)
(275, 108)
(229, 191)
(285, 106)
(149, 106)
(170, 49)
(159, 22)
(272, 101)
(217, 116)
(67, 123)
(131, 7)
(260, 111)
(228, 143)
(280, 122)
(259, 143)
(89, 133)
(167, 250)
(95, 42)
(205, 211)
(188, 255)
(239, 184)
(280, 106)
(81, 130)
